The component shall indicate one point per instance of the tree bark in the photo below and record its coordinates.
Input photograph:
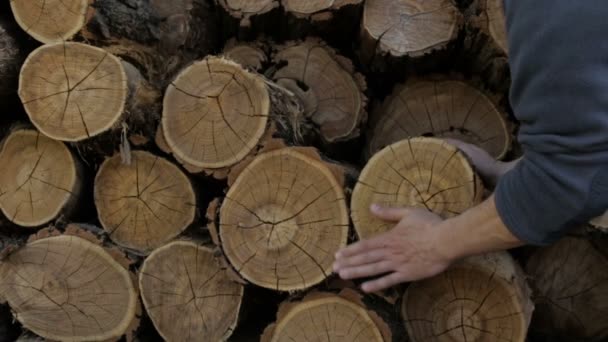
(11, 58)
(481, 298)
(188, 295)
(570, 286)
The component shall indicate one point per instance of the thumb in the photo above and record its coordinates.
(388, 214)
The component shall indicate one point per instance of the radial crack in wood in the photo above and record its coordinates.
(409, 27)
(427, 173)
(444, 109)
(40, 178)
(50, 21)
(326, 317)
(307, 8)
(73, 91)
(570, 283)
(483, 298)
(282, 221)
(65, 288)
(215, 113)
(187, 295)
(144, 204)
(327, 85)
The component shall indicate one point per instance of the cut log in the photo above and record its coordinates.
(188, 295)
(444, 109)
(244, 9)
(409, 28)
(601, 222)
(216, 113)
(283, 219)
(144, 204)
(50, 21)
(10, 60)
(323, 316)
(67, 288)
(40, 179)
(483, 298)
(570, 284)
(327, 85)
(73, 91)
(490, 18)
(251, 56)
(427, 173)
(315, 8)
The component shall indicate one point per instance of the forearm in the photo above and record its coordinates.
(476, 231)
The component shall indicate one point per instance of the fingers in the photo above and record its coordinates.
(363, 246)
(359, 259)
(368, 270)
(383, 282)
(388, 214)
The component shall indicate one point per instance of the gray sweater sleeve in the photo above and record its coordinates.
(558, 54)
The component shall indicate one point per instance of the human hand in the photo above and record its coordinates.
(408, 252)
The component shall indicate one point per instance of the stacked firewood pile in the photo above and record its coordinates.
(186, 170)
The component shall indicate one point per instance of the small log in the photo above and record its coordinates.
(73, 91)
(327, 85)
(328, 317)
(251, 56)
(40, 181)
(188, 296)
(143, 204)
(408, 28)
(444, 108)
(216, 113)
(70, 288)
(601, 222)
(570, 286)
(10, 60)
(482, 298)
(50, 22)
(427, 173)
(245, 9)
(486, 45)
(283, 218)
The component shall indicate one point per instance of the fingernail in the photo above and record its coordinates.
(375, 207)
(335, 267)
(338, 255)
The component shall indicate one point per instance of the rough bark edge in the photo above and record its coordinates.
(347, 66)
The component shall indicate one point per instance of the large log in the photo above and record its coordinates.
(482, 298)
(41, 179)
(70, 288)
(328, 317)
(408, 28)
(143, 204)
(328, 86)
(188, 296)
(283, 218)
(570, 290)
(216, 114)
(443, 108)
(420, 172)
